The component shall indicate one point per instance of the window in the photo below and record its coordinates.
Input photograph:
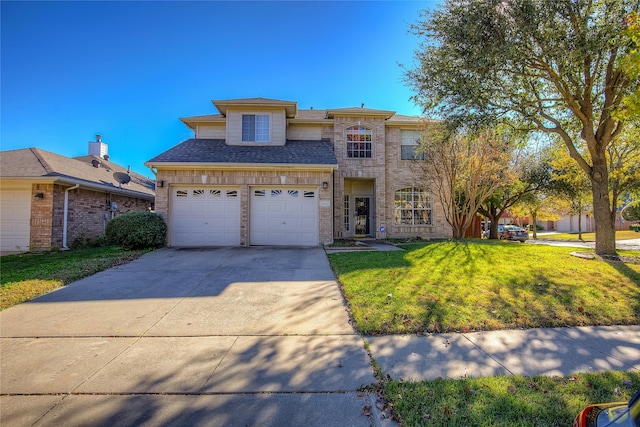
(255, 128)
(412, 206)
(359, 142)
(410, 142)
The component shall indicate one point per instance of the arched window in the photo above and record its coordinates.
(359, 142)
(413, 206)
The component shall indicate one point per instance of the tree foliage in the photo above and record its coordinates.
(630, 62)
(539, 207)
(552, 66)
(631, 212)
(530, 176)
(570, 182)
(463, 171)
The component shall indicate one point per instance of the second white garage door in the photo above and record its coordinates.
(205, 216)
(284, 216)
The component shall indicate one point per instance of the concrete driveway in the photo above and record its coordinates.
(215, 337)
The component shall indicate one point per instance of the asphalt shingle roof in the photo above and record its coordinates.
(216, 151)
(36, 163)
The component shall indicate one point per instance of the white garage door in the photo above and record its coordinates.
(205, 216)
(15, 216)
(284, 216)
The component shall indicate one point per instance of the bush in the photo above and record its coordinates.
(635, 227)
(136, 230)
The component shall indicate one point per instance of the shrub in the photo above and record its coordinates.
(136, 230)
(635, 227)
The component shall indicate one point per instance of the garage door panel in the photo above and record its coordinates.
(205, 216)
(15, 217)
(284, 216)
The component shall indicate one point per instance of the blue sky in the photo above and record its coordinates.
(129, 70)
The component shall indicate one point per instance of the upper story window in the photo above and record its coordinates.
(409, 145)
(255, 127)
(359, 142)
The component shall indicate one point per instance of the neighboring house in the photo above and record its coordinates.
(48, 200)
(569, 223)
(263, 172)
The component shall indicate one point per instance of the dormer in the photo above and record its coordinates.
(256, 121)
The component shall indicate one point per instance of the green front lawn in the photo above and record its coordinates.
(506, 400)
(484, 285)
(27, 276)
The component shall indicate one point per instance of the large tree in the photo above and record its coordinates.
(553, 66)
(462, 171)
(531, 175)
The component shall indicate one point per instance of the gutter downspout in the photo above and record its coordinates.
(66, 215)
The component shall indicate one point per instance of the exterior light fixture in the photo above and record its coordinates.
(39, 196)
(160, 184)
(325, 185)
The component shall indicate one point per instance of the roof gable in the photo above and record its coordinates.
(290, 107)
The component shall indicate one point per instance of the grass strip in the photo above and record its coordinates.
(26, 276)
(506, 400)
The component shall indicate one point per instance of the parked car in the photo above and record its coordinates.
(513, 232)
(509, 232)
(618, 414)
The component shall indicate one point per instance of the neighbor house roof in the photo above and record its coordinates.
(319, 153)
(88, 171)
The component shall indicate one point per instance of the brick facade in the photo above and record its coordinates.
(245, 179)
(379, 177)
(88, 214)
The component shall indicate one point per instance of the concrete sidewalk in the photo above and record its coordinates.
(556, 351)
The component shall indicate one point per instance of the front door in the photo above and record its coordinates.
(362, 215)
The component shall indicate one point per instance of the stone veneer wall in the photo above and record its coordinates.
(244, 179)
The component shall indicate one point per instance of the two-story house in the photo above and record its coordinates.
(263, 172)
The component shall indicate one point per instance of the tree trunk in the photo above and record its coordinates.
(580, 224)
(604, 218)
(534, 219)
(494, 216)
